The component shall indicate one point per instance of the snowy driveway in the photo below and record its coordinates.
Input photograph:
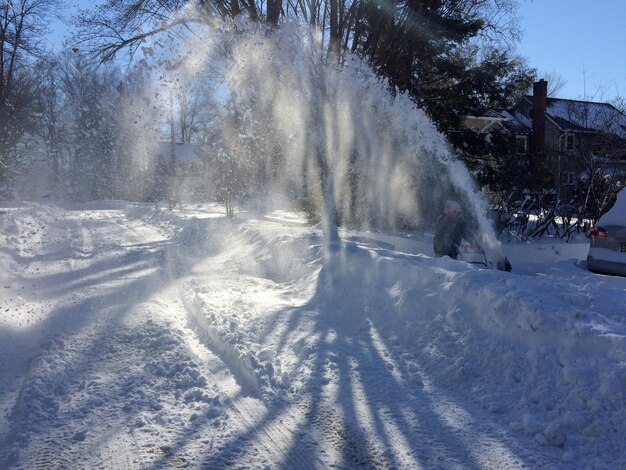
(133, 338)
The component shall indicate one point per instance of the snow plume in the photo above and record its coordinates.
(288, 118)
(136, 175)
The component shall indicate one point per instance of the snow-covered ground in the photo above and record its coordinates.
(137, 338)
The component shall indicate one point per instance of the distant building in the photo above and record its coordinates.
(183, 157)
(570, 139)
(181, 170)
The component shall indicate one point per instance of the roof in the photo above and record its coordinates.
(585, 116)
(495, 114)
(517, 122)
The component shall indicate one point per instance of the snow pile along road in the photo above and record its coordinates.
(137, 338)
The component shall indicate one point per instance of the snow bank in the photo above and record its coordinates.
(548, 353)
(617, 214)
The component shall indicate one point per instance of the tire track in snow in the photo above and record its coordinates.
(50, 454)
(283, 446)
(351, 392)
(458, 431)
(106, 410)
(275, 435)
(84, 382)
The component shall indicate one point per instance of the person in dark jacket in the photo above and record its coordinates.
(451, 228)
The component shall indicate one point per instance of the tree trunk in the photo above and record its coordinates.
(334, 34)
(273, 12)
(329, 221)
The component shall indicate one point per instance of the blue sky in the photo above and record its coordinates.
(582, 41)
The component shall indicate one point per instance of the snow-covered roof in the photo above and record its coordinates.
(568, 115)
(183, 152)
(585, 116)
(496, 114)
(517, 122)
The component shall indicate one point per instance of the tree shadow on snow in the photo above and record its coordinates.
(117, 280)
(359, 405)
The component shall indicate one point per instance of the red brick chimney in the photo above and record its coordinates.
(540, 98)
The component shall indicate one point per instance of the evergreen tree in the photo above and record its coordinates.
(428, 48)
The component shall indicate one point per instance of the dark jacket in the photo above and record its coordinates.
(449, 231)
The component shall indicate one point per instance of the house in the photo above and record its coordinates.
(564, 140)
(181, 169)
(182, 157)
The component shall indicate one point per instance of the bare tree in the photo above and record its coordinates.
(50, 107)
(93, 127)
(123, 26)
(22, 26)
(229, 150)
(193, 109)
(619, 103)
(556, 83)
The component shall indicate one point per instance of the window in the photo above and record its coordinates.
(596, 150)
(521, 144)
(569, 142)
(570, 178)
